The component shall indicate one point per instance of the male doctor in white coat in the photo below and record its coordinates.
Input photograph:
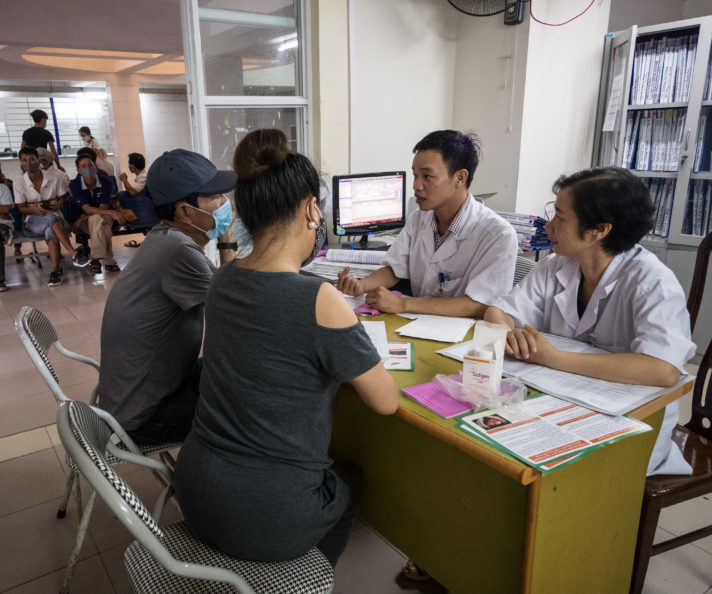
(458, 254)
(600, 287)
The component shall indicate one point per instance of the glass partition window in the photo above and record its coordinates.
(229, 125)
(248, 68)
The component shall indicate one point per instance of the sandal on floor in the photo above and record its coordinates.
(95, 267)
(414, 573)
(133, 244)
(112, 268)
(18, 257)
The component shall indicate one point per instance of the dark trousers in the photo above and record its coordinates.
(173, 418)
(334, 541)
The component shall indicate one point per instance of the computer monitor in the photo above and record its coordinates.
(368, 202)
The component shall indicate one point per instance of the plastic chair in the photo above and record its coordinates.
(37, 335)
(695, 441)
(521, 269)
(167, 560)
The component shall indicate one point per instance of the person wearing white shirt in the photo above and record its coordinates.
(600, 287)
(102, 158)
(137, 166)
(39, 196)
(458, 254)
(47, 163)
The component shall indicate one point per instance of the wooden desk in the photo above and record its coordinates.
(481, 521)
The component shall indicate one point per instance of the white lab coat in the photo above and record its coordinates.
(478, 260)
(638, 306)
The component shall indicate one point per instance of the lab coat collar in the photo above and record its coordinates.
(448, 248)
(569, 276)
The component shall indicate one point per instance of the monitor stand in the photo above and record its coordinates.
(365, 244)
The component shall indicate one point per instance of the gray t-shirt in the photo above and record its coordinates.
(270, 371)
(152, 327)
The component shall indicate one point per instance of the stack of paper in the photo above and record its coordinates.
(546, 432)
(377, 333)
(607, 397)
(440, 328)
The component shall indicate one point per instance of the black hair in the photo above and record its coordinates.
(85, 153)
(610, 195)
(167, 212)
(458, 150)
(271, 181)
(86, 130)
(28, 150)
(137, 160)
(38, 115)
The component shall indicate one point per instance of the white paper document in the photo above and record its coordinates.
(356, 256)
(546, 428)
(440, 328)
(329, 270)
(377, 333)
(607, 397)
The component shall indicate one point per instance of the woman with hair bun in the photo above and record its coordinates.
(254, 477)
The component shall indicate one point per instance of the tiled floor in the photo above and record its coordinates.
(35, 545)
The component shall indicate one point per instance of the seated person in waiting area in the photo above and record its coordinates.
(152, 327)
(458, 254)
(47, 163)
(602, 288)
(39, 196)
(92, 196)
(133, 197)
(254, 477)
(6, 225)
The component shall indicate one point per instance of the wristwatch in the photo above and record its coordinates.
(232, 245)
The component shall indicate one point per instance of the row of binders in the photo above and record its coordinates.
(698, 210)
(704, 142)
(662, 70)
(662, 192)
(531, 234)
(653, 138)
(707, 95)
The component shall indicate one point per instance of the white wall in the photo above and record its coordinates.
(488, 99)
(165, 123)
(625, 13)
(403, 66)
(560, 98)
(696, 8)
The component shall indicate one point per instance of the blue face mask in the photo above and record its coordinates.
(223, 219)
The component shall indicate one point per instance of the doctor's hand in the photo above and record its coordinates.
(349, 285)
(385, 300)
(528, 344)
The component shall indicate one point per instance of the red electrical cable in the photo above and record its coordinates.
(531, 14)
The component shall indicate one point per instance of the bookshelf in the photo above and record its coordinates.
(655, 118)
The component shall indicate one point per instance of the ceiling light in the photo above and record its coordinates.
(86, 52)
(74, 63)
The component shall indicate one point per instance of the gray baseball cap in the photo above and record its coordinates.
(178, 173)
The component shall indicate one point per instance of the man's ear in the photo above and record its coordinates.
(182, 213)
(461, 177)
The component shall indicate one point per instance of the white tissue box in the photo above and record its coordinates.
(483, 362)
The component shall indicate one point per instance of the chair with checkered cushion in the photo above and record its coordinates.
(38, 335)
(167, 560)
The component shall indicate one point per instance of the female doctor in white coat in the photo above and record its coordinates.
(599, 286)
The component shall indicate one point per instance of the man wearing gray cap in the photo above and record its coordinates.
(152, 327)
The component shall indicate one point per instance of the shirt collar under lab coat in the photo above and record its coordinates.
(449, 245)
(569, 277)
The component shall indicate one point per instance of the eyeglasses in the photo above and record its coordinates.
(550, 209)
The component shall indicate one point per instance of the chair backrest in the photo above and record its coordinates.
(37, 336)
(522, 268)
(701, 420)
(699, 278)
(86, 438)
